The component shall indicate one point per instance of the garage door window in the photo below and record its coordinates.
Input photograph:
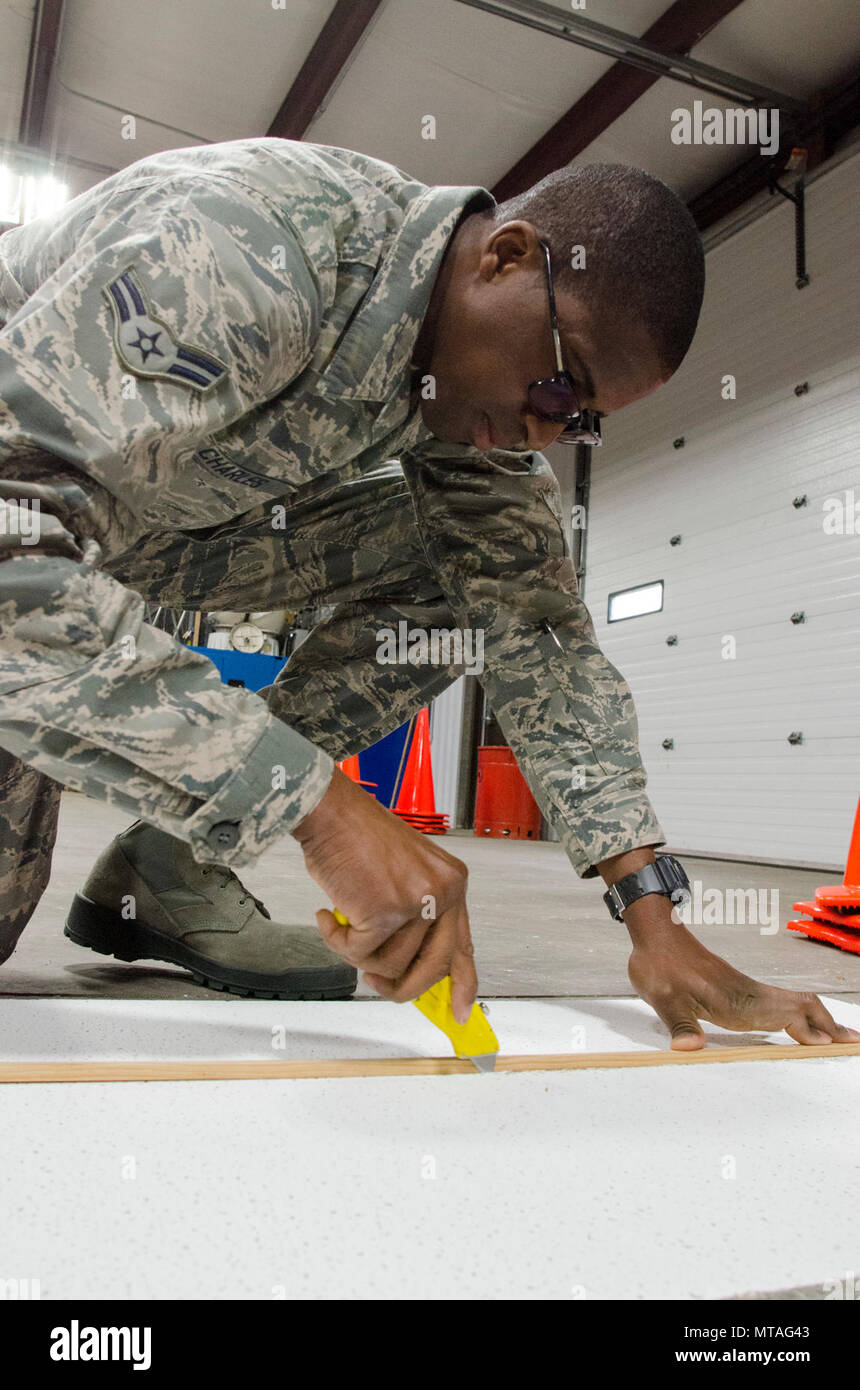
(632, 603)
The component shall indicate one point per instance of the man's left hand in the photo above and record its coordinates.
(684, 982)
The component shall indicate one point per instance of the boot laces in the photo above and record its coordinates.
(228, 876)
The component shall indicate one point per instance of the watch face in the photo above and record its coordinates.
(676, 870)
(246, 637)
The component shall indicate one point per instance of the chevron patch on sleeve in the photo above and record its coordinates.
(148, 348)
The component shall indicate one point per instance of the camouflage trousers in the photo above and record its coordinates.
(29, 804)
(349, 548)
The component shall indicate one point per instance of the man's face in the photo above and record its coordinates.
(492, 337)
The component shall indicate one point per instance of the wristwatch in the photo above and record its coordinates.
(665, 876)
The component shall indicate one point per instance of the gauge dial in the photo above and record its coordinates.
(246, 637)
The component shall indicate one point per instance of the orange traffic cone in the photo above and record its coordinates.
(845, 895)
(416, 802)
(352, 769)
(834, 916)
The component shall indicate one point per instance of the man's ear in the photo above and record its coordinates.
(515, 245)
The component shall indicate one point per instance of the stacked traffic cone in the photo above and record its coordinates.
(834, 916)
(416, 802)
(352, 768)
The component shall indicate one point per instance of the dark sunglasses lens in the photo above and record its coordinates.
(585, 431)
(553, 399)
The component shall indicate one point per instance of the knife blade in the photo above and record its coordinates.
(473, 1039)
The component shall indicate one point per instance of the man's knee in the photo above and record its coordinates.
(56, 616)
(45, 628)
(29, 805)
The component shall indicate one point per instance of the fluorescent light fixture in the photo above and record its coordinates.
(24, 197)
(632, 603)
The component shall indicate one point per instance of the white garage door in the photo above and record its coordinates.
(743, 678)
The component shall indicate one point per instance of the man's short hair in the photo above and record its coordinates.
(643, 252)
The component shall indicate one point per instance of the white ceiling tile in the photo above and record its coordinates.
(209, 70)
(196, 71)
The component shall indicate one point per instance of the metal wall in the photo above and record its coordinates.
(446, 723)
(749, 558)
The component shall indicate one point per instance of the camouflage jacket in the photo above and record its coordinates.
(217, 332)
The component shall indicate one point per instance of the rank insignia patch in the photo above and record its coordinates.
(147, 347)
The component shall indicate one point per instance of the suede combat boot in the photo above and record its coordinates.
(147, 898)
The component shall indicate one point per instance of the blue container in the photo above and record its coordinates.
(380, 763)
(251, 669)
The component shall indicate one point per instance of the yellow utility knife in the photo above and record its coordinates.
(474, 1039)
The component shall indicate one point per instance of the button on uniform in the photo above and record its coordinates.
(224, 835)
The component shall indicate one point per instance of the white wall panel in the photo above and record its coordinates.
(748, 559)
(446, 723)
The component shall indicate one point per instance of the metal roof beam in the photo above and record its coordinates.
(325, 65)
(637, 52)
(684, 24)
(44, 42)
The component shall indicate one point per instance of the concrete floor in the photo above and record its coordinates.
(539, 931)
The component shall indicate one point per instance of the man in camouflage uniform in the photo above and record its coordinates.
(207, 363)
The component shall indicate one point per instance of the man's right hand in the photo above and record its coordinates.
(405, 897)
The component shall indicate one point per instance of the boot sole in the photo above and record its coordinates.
(102, 930)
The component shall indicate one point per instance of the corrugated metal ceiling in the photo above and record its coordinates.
(216, 70)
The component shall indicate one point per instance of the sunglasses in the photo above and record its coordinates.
(554, 397)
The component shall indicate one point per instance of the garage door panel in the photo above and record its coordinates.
(748, 558)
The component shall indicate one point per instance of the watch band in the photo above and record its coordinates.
(666, 875)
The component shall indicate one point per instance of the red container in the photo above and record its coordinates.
(504, 806)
